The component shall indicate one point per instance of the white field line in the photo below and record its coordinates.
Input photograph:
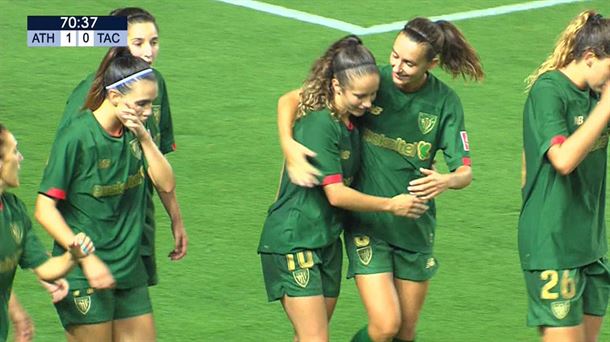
(382, 28)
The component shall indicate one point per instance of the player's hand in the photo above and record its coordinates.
(429, 186)
(97, 272)
(23, 326)
(130, 119)
(82, 246)
(57, 289)
(407, 206)
(180, 241)
(299, 170)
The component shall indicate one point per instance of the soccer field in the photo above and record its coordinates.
(225, 67)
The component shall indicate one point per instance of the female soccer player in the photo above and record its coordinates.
(143, 42)
(562, 231)
(300, 246)
(413, 116)
(18, 243)
(94, 182)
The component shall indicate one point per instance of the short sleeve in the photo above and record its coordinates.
(61, 165)
(547, 116)
(318, 132)
(454, 138)
(34, 253)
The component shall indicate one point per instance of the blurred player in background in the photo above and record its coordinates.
(143, 42)
(562, 230)
(95, 182)
(20, 246)
(300, 245)
(415, 115)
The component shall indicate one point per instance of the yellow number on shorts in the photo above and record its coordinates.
(546, 289)
(305, 260)
(567, 287)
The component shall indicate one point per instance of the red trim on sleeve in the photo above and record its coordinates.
(350, 126)
(1, 204)
(558, 140)
(466, 161)
(57, 193)
(332, 179)
(173, 146)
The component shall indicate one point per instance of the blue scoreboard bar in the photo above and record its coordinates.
(77, 31)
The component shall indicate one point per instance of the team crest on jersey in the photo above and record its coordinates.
(560, 309)
(375, 110)
(426, 122)
(301, 277)
(17, 233)
(156, 112)
(345, 154)
(424, 149)
(364, 249)
(83, 304)
(103, 163)
(136, 149)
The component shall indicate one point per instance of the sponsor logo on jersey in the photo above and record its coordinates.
(464, 137)
(103, 163)
(375, 110)
(560, 309)
(17, 233)
(426, 122)
(136, 149)
(345, 154)
(423, 150)
(156, 111)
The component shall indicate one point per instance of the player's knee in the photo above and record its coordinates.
(384, 328)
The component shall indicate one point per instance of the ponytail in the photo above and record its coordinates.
(344, 60)
(443, 39)
(118, 71)
(587, 32)
(97, 93)
(3, 130)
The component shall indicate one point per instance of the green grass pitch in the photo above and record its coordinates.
(225, 67)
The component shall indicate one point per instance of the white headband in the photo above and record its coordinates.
(130, 78)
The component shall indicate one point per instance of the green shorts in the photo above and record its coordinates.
(368, 255)
(89, 306)
(560, 298)
(305, 273)
(150, 264)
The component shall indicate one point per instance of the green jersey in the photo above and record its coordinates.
(98, 182)
(18, 246)
(402, 133)
(160, 126)
(562, 221)
(301, 218)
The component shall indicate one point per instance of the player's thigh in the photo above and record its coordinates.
(135, 329)
(308, 317)
(380, 299)
(100, 332)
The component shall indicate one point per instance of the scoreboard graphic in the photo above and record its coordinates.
(77, 31)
